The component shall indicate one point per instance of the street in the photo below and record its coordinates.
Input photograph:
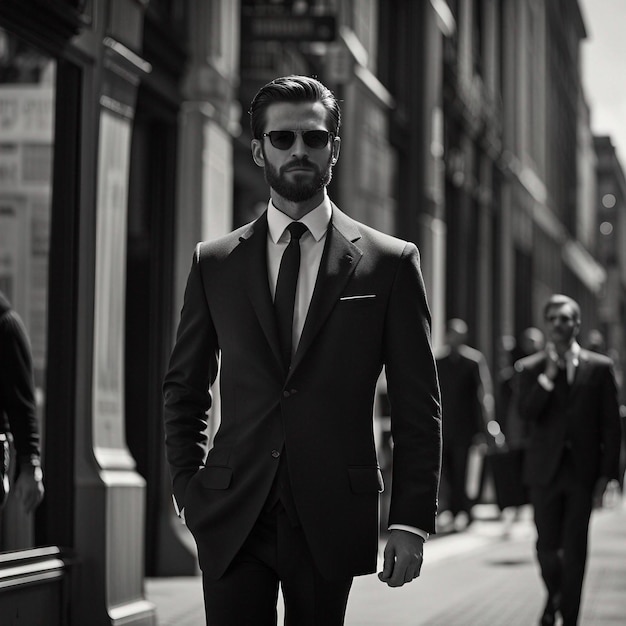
(484, 576)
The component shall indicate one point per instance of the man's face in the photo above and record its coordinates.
(561, 324)
(300, 172)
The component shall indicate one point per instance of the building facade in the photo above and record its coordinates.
(519, 168)
(611, 246)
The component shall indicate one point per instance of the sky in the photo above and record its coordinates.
(604, 74)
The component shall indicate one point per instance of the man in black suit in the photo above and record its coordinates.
(18, 416)
(289, 492)
(569, 397)
(467, 401)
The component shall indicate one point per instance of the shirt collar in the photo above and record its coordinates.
(573, 354)
(316, 220)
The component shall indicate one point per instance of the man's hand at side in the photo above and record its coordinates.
(403, 558)
(29, 486)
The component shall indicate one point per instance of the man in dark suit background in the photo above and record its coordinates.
(568, 396)
(289, 491)
(468, 406)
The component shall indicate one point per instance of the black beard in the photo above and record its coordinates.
(298, 191)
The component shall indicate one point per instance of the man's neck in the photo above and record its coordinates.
(296, 210)
(563, 348)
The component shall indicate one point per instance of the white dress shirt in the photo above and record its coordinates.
(572, 357)
(311, 249)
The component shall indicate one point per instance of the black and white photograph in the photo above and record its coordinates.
(312, 313)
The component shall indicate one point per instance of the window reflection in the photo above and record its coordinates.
(27, 102)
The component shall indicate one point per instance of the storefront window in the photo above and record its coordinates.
(27, 102)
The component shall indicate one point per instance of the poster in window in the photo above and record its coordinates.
(110, 286)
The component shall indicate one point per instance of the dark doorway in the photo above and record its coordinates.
(148, 296)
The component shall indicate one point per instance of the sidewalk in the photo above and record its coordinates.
(476, 578)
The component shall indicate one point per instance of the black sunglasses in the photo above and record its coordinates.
(284, 139)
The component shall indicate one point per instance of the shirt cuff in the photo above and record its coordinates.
(411, 529)
(545, 382)
(180, 511)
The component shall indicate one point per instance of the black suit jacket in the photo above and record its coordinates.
(368, 308)
(584, 419)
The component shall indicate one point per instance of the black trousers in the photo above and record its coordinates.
(275, 553)
(562, 513)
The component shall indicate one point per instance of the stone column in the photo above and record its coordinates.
(110, 494)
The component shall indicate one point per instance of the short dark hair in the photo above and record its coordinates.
(559, 299)
(293, 89)
(457, 325)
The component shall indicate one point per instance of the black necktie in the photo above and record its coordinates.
(285, 297)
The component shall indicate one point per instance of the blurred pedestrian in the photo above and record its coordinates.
(467, 403)
(515, 430)
(289, 492)
(569, 397)
(596, 341)
(532, 340)
(18, 418)
(507, 460)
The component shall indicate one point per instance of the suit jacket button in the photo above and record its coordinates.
(275, 453)
(286, 394)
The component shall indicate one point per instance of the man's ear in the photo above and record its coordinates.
(257, 152)
(335, 149)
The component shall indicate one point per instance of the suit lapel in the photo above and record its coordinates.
(582, 372)
(339, 260)
(255, 238)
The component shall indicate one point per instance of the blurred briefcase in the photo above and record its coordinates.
(506, 465)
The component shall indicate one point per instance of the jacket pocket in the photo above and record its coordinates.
(216, 477)
(366, 479)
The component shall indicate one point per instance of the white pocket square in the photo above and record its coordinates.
(369, 296)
